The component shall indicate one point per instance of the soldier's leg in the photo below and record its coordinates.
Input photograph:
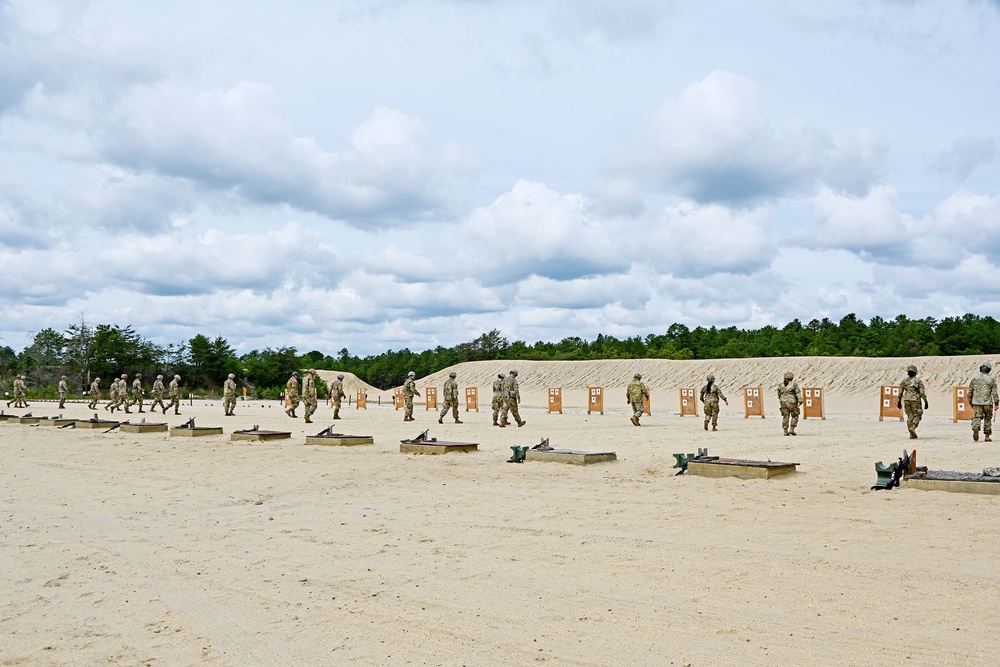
(454, 410)
(795, 419)
(444, 411)
(977, 417)
(496, 411)
(988, 421)
(408, 411)
(504, 408)
(784, 419)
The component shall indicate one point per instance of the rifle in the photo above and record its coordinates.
(116, 426)
(890, 475)
(420, 438)
(188, 424)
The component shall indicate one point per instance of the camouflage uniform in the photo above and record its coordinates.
(512, 396)
(112, 396)
(19, 389)
(789, 398)
(292, 394)
(157, 394)
(336, 394)
(95, 393)
(984, 398)
(912, 392)
(138, 393)
(123, 393)
(450, 400)
(309, 395)
(498, 397)
(175, 396)
(634, 395)
(229, 396)
(710, 395)
(409, 391)
(63, 392)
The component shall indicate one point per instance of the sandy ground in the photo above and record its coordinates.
(145, 549)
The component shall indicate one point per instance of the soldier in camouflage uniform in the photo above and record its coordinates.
(229, 395)
(63, 392)
(498, 397)
(138, 393)
(450, 398)
(123, 393)
(710, 395)
(175, 395)
(157, 394)
(112, 396)
(789, 399)
(911, 392)
(292, 394)
(336, 394)
(309, 394)
(19, 389)
(409, 391)
(634, 395)
(512, 396)
(984, 399)
(95, 394)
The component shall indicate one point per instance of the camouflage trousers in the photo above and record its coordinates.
(157, 400)
(311, 405)
(498, 404)
(510, 405)
(637, 409)
(229, 403)
(336, 403)
(712, 412)
(62, 400)
(450, 403)
(984, 414)
(914, 412)
(408, 404)
(175, 403)
(789, 416)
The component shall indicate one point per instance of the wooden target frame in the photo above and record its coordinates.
(472, 399)
(397, 398)
(753, 402)
(362, 401)
(961, 408)
(689, 404)
(595, 400)
(555, 400)
(888, 396)
(812, 403)
(645, 404)
(430, 398)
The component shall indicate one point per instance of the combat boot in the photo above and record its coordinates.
(975, 434)
(988, 438)
(458, 421)
(308, 421)
(785, 430)
(440, 420)
(496, 423)
(336, 413)
(714, 429)
(791, 431)
(706, 424)
(521, 423)
(913, 434)
(503, 423)
(176, 412)
(634, 420)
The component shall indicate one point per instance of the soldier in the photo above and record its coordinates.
(790, 398)
(409, 391)
(292, 394)
(450, 398)
(911, 392)
(138, 393)
(309, 393)
(123, 393)
(498, 397)
(512, 396)
(984, 399)
(710, 395)
(19, 389)
(633, 396)
(229, 395)
(95, 394)
(63, 392)
(112, 396)
(157, 394)
(175, 395)
(337, 393)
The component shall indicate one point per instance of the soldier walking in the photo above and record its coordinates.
(175, 395)
(19, 389)
(710, 395)
(157, 394)
(450, 398)
(309, 394)
(112, 396)
(336, 394)
(512, 397)
(123, 393)
(409, 391)
(292, 394)
(63, 392)
(984, 399)
(633, 396)
(95, 394)
(911, 392)
(789, 398)
(229, 395)
(138, 393)
(498, 397)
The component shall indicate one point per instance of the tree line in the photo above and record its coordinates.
(83, 352)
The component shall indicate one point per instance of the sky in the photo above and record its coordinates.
(384, 174)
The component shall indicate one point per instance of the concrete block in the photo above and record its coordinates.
(196, 432)
(741, 468)
(24, 420)
(955, 482)
(573, 456)
(338, 440)
(437, 447)
(259, 436)
(143, 428)
(60, 421)
(104, 424)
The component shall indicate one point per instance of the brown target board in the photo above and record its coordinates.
(812, 403)
(645, 405)
(472, 399)
(430, 398)
(362, 403)
(753, 402)
(689, 406)
(961, 408)
(595, 400)
(397, 398)
(555, 400)
(888, 397)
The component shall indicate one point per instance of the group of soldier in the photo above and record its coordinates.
(118, 394)
(506, 397)
(308, 395)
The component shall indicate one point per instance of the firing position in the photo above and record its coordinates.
(337, 394)
(710, 395)
(512, 397)
(229, 395)
(498, 397)
(911, 392)
(634, 395)
(292, 394)
(409, 391)
(984, 399)
(450, 398)
(789, 398)
(309, 394)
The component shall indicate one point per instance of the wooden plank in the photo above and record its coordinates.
(714, 469)
(259, 436)
(339, 440)
(437, 447)
(196, 432)
(143, 428)
(571, 456)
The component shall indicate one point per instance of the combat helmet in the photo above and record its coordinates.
(789, 375)
(911, 369)
(710, 378)
(986, 367)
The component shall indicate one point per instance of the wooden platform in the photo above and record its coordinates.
(259, 436)
(956, 482)
(56, 421)
(196, 432)
(578, 457)
(741, 468)
(24, 420)
(437, 447)
(144, 428)
(4, 418)
(100, 423)
(339, 440)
